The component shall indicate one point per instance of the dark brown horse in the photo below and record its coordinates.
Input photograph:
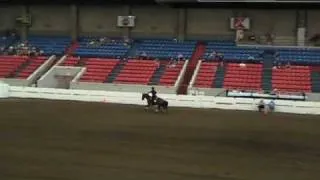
(161, 103)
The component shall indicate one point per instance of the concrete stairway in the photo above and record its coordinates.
(157, 74)
(114, 73)
(315, 81)
(218, 81)
(267, 72)
(198, 53)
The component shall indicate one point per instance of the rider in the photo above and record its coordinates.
(154, 94)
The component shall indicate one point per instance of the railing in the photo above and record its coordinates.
(195, 74)
(181, 75)
(278, 41)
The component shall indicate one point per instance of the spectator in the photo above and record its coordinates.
(288, 65)
(157, 62)
(220, 56)
(172, 63)
(251, 57)
(213, 55)
(11, 50)
(180, 57)
(93, 43)
(269, 38)
(143, 55)
(279, 65)
(261, 105)
(252, 37)
(2, 49)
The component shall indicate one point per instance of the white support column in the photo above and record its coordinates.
(301, 27)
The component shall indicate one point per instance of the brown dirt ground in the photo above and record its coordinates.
(62, 140)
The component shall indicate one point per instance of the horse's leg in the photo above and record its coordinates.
(158, 108)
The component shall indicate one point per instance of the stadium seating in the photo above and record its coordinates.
(31, 66)
(231, 52)
(111, 49)
(300, 55)
(206, 75)
(49, 44)
(98, 69)
(165, 49)
(234, 53)
(243, 78)
(295, 78)
(171, 74)
(6, 41)
(70, 61)
(136, 72)
(9, 64)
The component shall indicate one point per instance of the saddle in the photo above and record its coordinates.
(154, 102)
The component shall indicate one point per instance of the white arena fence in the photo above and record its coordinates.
(287, 106)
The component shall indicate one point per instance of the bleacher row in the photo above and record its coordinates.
(295, 78)
(101, 63)
(132, 72)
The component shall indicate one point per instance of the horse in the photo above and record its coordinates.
(161, 103)
(269, 108)
(150, 103)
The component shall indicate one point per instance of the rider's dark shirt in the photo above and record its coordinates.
(153, 92)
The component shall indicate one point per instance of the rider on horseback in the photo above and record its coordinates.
(153, 94)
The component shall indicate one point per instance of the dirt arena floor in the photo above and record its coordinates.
(61, 140)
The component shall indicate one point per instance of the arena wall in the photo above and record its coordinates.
(47, 19)
(8, 15)
(298, 107)
(156, 21)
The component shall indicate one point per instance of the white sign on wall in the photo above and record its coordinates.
(126, 21)
(240, 23)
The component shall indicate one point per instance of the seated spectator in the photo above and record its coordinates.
(252, 37)
(288, 65)
(251, 57)
(41, 52)
(180, 57)
(2, 49)
(213, 55)
(157, 62)
(220, 56)
(143, 55)
(11, 50)
(277, 64)
(172, 63)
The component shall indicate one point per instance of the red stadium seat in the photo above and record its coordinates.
(98, 69)
(293, 79)
(206, 75)
(244, 78)
(136, 72)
